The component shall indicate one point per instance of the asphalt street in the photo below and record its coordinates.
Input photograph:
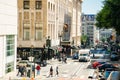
(72, 70)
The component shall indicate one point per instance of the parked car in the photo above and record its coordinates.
(114, 56)
(75, 55)
(114, 75)
(43, 63)
(98, 53)
(107, 72)
(106, 65)
(96, 63)
(23, 63)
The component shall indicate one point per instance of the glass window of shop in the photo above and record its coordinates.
(9, 67)
(10, 44)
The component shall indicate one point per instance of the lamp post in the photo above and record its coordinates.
(32, 59)
(48, 44)
(60, 36)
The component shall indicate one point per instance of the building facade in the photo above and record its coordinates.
(8, 37)
(40, 19)
(89, 29)
(106, 34)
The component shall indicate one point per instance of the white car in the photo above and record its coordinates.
(23, 63)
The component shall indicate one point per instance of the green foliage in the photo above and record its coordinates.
(109, 16)
(83, 39)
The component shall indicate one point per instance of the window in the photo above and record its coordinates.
(49, 5)
(38, 31)
(10, 45)
(26, 4)
(9, 67)
(26, 33)
(38, 4)
(54, 7)
(38, 34)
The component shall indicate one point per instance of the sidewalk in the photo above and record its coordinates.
(43, 73)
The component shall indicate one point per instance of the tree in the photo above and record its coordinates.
(109, 16)
(83, 39)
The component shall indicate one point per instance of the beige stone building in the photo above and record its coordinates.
(38, 19)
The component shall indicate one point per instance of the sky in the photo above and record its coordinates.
(91, 6)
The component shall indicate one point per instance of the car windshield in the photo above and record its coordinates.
(23, 62)
(83, 54)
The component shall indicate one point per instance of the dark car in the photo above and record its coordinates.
(106, 65)
(43, 63)
(114, 56)
(75, 56)
(96, 63)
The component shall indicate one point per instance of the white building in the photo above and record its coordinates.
(8, 36)
(105, 33)
(89, 28)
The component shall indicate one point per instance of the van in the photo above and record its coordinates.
(84, 55)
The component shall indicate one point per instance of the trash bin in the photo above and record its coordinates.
(28, 73)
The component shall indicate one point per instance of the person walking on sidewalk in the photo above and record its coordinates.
(24, 70)
(51, 72)
(38, 69)
(57, 71)
(20, 70)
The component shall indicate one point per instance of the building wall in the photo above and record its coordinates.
(76, 22)
(53, 18)
(33, 19)
(8, 26)
(89, 28)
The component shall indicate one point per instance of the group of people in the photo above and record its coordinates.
(51, 72)
(22, 70)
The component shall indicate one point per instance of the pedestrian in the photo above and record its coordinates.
(65, 59)
(93, 55)
(38, 69)
(19, 70)
(51, 71)
(24, 70)
(57, 71)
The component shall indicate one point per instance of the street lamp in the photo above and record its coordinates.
(48, 44)
(60, 36)
(32, 59)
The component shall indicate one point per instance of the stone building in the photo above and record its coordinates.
(38, 19)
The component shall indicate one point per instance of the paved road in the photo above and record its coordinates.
(73, 70)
